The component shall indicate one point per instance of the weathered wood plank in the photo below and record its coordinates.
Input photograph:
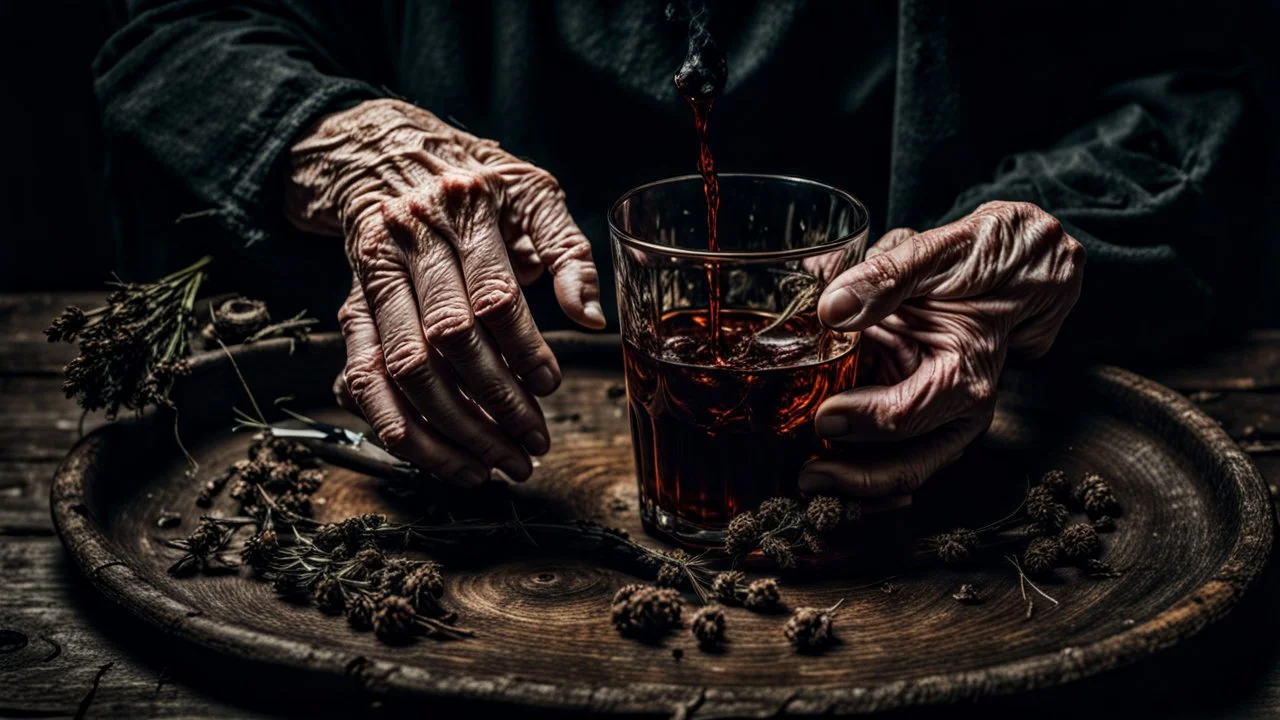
(39, 423)
(24, 497)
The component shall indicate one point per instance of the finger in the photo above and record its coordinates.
(893, 468)
(464, 214)
(942, 389)
(866, 293)
(890, 240)
(891, 356)
(535, 204)
(1033, 338)
(449, 327)
(396, 423)
(343, 395)
(425, 379)
(525, 260)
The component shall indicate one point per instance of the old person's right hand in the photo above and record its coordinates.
(442, 229)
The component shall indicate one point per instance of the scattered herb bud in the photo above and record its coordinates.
(779, 551)
(824, 514)
(328, 595)
(852, 511)
(1057, 483)
(1104, 524)
(1041, 556)
(1044, 510)
(810, 628)
(956, 546)
(708, 626)
(360, 609)
(1079, 541)
(423, 587)
(286, 584)
(775, 511)
(813, 543)
(260, 549)
(1096, 497)
(967, 594)
(762, 595)
(369, 560)
(670, 575)
(393, 619)
(743, 534)
(390, 579)
(727, 586)
(645, 611)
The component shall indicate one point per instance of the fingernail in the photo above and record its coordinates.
(536, 443)
(541, 381)
(832, 425)
(839, 307)
(594, 312)
(470, 477)
(811, 482)
(517, 469)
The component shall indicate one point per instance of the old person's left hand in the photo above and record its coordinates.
(940, 311)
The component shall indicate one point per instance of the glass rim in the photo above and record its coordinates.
(742, 255)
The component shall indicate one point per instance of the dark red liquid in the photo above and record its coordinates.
(711, 190)
(712, 440)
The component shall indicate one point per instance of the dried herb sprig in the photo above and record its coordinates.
(132, 348)
(781, 527)
(809, 629)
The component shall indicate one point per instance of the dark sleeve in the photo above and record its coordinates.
(213, 93)
(1160, 189)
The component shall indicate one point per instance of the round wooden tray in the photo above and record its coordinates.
(1197, 529)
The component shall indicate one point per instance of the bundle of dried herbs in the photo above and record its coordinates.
(132, 348)
(781, 527)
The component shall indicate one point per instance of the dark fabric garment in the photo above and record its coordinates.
(1130, 127)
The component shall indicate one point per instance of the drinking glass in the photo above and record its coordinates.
(725, 358)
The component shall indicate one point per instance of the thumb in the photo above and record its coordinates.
(869, 291)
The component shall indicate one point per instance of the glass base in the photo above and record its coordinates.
(666, 526)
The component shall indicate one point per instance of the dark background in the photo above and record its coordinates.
(66, 233)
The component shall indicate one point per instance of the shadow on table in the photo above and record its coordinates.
(1225, 671)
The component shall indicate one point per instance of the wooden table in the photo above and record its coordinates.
(65, 652)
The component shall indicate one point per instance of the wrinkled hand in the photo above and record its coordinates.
(939, 311)
(442, 228)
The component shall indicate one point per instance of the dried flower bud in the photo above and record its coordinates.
(393, 619)
(670, 575)
(328, 537)
(779, 551)
(1044, 510)
(308, 481)
(775, 511)
(813, 543)
(708, 626)
(727, 586)
(360, 609)
(367, 561)
(328, 595)
(762, 595)
(1096, 497)
(1079, 541)
(824, 514)
(1041, 556)
(852, 511)
(809, 628)
(294, 502)
(390, 579)
(1056, 482)
(237, 318)
(1104, 524)
(967, 594)
(956, 546)
(424, 586)
(286, 584)
(260, 549)
(646, 612)
(281, 477)
(742, 534)
(67, 325)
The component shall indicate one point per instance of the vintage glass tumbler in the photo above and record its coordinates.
(726, 361)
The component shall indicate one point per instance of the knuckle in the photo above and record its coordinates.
(448, 327)
(496, 298)
(407, 361)
(980, 391)
(392, 429)
(883, 271)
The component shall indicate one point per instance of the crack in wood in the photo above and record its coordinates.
(83, 709)
(57, 648)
